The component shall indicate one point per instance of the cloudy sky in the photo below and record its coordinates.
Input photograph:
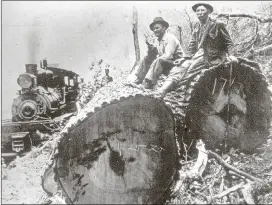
(74, 34)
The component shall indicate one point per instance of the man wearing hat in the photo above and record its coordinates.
(167, 50)
(210, 44)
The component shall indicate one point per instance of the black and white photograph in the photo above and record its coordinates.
(136, 102)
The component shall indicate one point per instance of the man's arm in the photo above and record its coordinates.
(151, 50)
(229, 44)
(227, 39)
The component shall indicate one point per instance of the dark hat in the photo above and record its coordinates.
(207, 6)
(159, 20)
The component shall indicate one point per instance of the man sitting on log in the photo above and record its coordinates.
(159, 58)
(210, 45)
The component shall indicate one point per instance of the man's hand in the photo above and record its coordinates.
(150, 46)
(232, 59)
(179, 61)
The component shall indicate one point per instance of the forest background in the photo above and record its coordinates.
(75, 35)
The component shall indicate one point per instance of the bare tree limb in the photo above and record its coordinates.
(258, 18)
(135, 33)
(135, 37)
(180, 36)
(255, 38)
(190, 21)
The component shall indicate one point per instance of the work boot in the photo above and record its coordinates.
(166, 87)
(133, 79)
(147, 84)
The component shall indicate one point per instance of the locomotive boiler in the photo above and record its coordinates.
(46, 92)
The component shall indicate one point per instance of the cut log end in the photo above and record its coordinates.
(126, 153)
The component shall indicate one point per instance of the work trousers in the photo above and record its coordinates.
(151, 68)
(178, 72)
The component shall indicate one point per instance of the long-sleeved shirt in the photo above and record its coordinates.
(213, 38)
(169, 47)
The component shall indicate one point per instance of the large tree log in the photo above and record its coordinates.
(126, 150)
(125, 153)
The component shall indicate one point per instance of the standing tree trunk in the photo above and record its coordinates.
(180, 39)
(135, 37)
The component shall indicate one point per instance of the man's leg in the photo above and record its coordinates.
(175, 75)
(140, 70)
(156, 69)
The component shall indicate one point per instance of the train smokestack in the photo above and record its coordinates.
(31, 68)
(44, 64)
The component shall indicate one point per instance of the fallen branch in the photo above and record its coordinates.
(262, 50)
(225, 193)
(187, 162)
(246, 190)
(235, 174)
(230, 167)
(187, 178)
(201, 161)
(196, 170)
(258, 18)
(230, 190)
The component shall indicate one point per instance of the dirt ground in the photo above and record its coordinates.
(21, 178)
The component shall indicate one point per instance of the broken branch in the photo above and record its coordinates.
(135, 37)
(230, 167)
(230, 190)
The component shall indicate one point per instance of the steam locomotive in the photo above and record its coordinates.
(46, 92)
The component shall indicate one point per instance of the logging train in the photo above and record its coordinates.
(47, 94)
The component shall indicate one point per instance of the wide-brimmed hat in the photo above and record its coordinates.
(159, 20)
(207, 6)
